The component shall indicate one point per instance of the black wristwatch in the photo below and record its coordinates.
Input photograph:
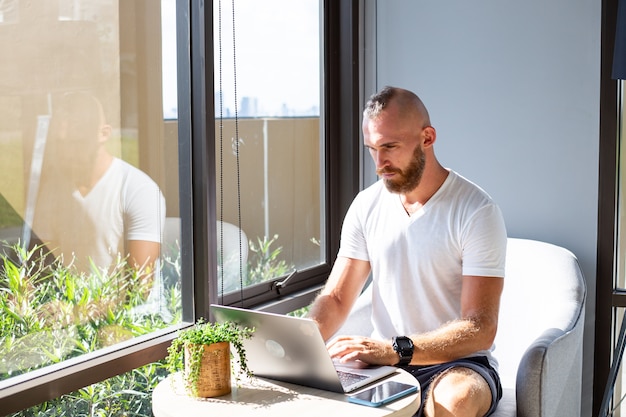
(404, 348)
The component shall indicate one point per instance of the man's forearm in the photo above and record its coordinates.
(452, 341)
(333, 304)
(327, 312)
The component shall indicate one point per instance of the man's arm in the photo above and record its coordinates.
(474, 331)
(332, 305)
(142, 255)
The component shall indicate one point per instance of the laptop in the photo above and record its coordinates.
(291, 349)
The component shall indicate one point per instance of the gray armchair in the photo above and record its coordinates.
(540, 334)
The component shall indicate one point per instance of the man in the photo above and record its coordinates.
(94, 207)
(95, 211)
(435, 244)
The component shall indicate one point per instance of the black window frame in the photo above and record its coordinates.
(607, 298)
(197, 197)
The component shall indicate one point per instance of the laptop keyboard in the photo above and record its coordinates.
(349, 378)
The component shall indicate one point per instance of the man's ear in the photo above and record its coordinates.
(430, 136)
(105, 133)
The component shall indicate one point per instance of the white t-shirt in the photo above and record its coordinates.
(418, 261)
(125, 204)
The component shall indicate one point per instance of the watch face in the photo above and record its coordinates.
(404, 347)
(403, 343)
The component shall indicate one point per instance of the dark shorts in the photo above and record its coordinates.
(480, 364)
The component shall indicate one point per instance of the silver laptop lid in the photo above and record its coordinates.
(290, 349)
(285, 348)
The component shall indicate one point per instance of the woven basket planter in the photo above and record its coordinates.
(214, 376)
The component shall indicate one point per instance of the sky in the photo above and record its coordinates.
(277, 57)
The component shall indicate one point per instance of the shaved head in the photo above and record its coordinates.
(404, 101)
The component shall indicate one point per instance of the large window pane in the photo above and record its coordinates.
(89, 201)
(268, 140)
(129, 394)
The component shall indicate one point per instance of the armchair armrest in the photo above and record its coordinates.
(549, 377)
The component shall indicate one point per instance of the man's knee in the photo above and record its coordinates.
(458, 391)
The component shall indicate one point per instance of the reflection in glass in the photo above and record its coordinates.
(89, 218)
(93, 207)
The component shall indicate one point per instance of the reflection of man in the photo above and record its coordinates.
(94, 207)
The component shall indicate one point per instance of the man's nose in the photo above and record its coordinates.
(380, 160)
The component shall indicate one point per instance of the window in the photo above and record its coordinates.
(303, 166)
(269, 144)
(119, 59)
(619, 280)
(89, 201)
(613, 310)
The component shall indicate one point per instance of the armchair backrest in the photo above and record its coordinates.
(542, 318)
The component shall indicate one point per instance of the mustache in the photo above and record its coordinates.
(388, 170)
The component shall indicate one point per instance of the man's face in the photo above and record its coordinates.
(395, 145)
(75, 147)
(404, 180)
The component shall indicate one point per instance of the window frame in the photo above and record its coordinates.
(197, 198)
(607, 297)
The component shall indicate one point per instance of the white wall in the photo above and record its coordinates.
(513, 91)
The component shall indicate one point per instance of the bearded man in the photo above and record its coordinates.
(435, 245)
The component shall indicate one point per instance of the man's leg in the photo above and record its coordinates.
(458, 391)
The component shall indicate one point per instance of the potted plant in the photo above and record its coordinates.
(205, 351)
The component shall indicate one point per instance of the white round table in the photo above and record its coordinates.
(259, 397)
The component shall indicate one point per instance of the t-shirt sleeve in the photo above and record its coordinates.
(353, 244)
(484, 247)
(145, 211)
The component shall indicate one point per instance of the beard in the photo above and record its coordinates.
(408, 179)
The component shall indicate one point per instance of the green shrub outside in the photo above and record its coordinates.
(49, 313)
